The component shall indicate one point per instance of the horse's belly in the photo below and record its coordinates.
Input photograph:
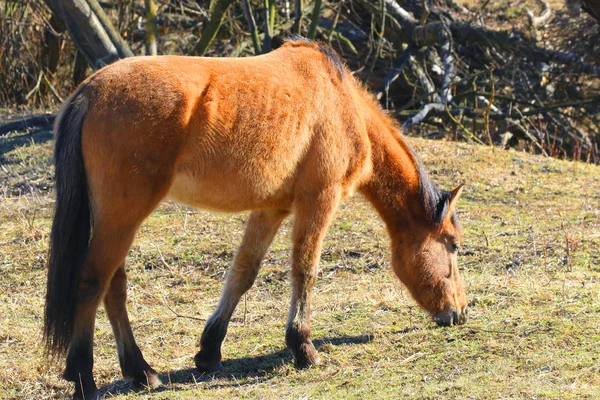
(229, 195)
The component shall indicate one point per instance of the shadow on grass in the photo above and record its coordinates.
(10, 142)
(239, 371)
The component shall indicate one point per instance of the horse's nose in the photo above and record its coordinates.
(451, 317)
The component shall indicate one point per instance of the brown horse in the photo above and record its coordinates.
(289, 131)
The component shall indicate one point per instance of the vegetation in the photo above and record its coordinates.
(522, 74)
(530, 259)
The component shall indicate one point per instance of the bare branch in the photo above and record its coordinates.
(543, 18)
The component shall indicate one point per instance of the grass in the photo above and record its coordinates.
(531, 262)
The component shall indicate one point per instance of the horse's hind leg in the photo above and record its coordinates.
(116, 220)
(108, 247)
(133, 364)
(313, 217)
(260, 230)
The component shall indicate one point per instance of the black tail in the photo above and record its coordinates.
(70, 234)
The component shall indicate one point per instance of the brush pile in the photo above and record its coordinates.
(518, 73)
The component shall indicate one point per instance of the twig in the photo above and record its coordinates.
(489, 108)
(162, 258)
(498, 115)
(411, 358)
(36, 87)
(252, 26)
(269, 25)
(567, 242)
(464, 128)
(335, 22)
(178, 314)
(53, 89)
(423, 79)
(508, 332)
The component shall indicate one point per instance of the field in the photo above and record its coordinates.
(530, 259)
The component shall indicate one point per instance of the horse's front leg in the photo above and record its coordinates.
(313, 217)
(260, 230)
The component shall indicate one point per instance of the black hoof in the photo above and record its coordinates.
(88, 393)
(148, 379)
(207, 362)
(306, 356)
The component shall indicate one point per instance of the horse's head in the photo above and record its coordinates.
(424, 257)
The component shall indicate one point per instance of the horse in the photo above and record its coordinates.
(291, 131)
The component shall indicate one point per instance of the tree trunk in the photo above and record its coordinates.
(79, 69)
(51, 50)
(94, 37)
(151, 28)
(112, 33)
(314, 21)
(297, 28)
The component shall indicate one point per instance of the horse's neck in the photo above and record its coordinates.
(393, 186)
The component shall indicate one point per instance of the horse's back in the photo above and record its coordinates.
(228, 134)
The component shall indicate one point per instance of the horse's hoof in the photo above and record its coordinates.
(306, 356)
(150, 380)
(85, 388)
(91, 395)
(207, 362)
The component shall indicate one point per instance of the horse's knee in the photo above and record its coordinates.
(92, 285)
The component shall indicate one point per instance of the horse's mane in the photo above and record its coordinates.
(435, 201)
(333, 58)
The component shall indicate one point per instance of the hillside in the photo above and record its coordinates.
(530, 260)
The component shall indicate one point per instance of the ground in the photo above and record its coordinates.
(530, 260)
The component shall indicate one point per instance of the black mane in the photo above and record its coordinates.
(331, 54)
(435, 201)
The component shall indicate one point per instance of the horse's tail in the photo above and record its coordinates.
(70, 233)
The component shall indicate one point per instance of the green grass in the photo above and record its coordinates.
(531, 262)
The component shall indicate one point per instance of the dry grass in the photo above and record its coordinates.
(531, 260)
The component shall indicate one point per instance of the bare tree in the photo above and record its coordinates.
(92, 32)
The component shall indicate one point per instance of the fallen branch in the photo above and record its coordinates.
(468, 34)
(393, 74)
(438, 110)
(36, 121)
(431, 109)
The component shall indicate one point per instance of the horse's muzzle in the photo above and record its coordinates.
(451, 317)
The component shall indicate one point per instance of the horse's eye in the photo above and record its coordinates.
(455, 247)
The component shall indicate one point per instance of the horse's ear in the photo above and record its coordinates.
(454, 196)
(446, 204)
